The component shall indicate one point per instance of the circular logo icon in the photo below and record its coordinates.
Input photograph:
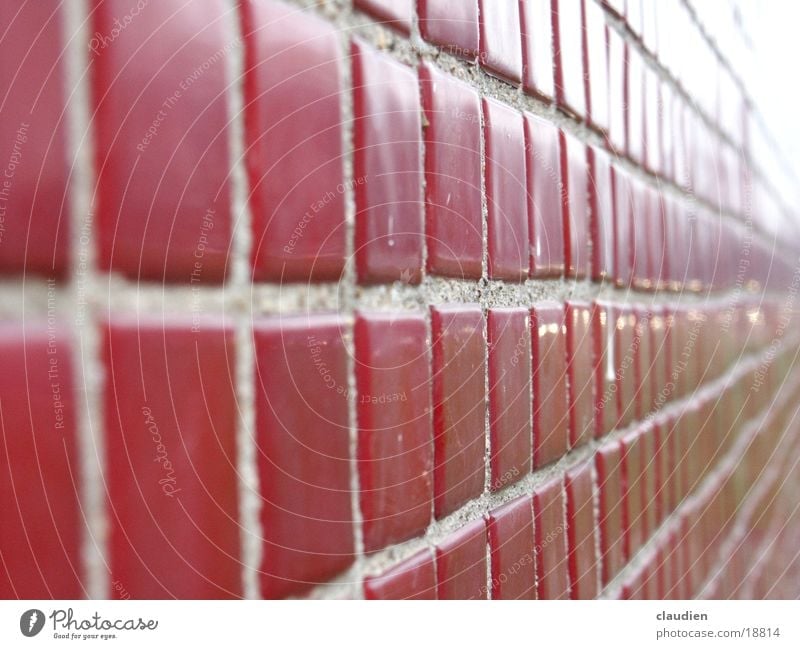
(31, 622)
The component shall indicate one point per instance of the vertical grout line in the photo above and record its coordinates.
(347, 295)
(247, 447)
(84, 327)
(598, 548)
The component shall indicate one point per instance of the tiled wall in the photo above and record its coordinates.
(433, 298)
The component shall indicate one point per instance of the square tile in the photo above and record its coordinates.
(596, 64)
(454, 224)
(459, 405)
(293, 133)
(303, 437)
(569, 56)
(509, 395)
(507, 217)
(550, 412)
(581, 532)
(575, 202)
(549, 524)
(161, 142)
(580, 372)
(545, 187)
(388, 171)
(602, 217)
(395, 440)
(536, 22)
(610, 510)
(461, 569)
(511, 546)
(500, 39)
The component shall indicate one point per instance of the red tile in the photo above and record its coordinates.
(395, 442)
(511, 547)
(302, 431)
(568, 48)
(580, 372)
(605, 401)
(452, 24)
(649, 470)
(388, 168)
(550, 414)
(552, 575)
(635, 106)
(625, 358)
(596, 65)
(581, 532)
(506, 192)
(500, 38)
(414, 578)
(617, 91)
(509, 395)
(293, 84)
(173, 492)
(163, 193)
(633, 492)
(40, 543)
(652, 120)
(575, 203)
(454, 224)
(459, 405)
(623, 227)
(602, 217)
(610, 510)
(536, 24)
(645, 394)
(395, 13)
(34, 206)
(461, 563)
(546, 227)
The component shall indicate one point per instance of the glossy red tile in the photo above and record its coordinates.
(500, 39)
(536, 24)
(652, 121)
(461, 571)
(459, 405)
(617, 91)
(549, 524)
(603, 332)
(596, 65)
(545, 188)
(645, 371)
(171, 476)
(580, 372)
(568, 56)
(414, 578)
(302, 432)
(453, 224)
(633, 492)
(452, 24)
(161, 133)
(602, 217)
(611, 507)
(395, 441)
(625, 360)
(623, 227)
(388, 168)
(550, 414)
(293, 85)
(40, 543)
(509, 395)
(581, 532)
(505, 192)
(575, 204)
(511, 547)
(395, 13)
(34, 205)
(649, 479)
(635, 137)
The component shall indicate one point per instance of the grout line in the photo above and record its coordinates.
(84, 327)
(245, 381)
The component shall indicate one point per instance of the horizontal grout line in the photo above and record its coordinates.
(477, 508)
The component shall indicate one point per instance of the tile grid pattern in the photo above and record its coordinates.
(517, 564)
